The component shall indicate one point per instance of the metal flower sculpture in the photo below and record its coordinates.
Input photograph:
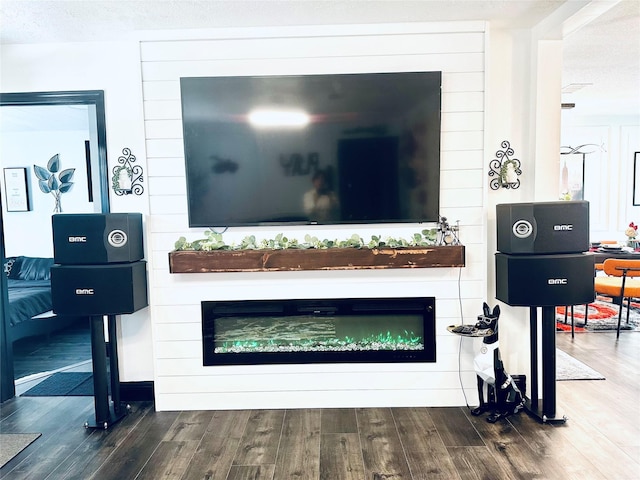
(49, 183)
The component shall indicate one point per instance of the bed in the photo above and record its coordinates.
(29, 288)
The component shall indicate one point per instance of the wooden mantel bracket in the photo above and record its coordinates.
(289, 260)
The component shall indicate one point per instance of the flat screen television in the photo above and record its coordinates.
(312, 149)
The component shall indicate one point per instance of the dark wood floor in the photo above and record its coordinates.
(601, 439)
(47, 353)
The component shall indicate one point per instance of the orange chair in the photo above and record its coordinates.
(598, 268)
(619, 282)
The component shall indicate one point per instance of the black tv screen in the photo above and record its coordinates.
(312, 149)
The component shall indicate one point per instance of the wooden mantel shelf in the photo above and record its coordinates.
(289, 260)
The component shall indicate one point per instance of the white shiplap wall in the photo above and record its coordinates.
(181, 382)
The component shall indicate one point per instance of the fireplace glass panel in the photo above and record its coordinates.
(287, 331)
(318, 334)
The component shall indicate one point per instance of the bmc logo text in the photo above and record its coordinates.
(563, 228)
(84, 291)
(77, 239)
(557, 281)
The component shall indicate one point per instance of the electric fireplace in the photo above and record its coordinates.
(318, 331)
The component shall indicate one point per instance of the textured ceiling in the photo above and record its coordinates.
(604, 54)
(32, 21)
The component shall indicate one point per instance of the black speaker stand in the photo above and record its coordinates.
(107, 412)
(544, 409)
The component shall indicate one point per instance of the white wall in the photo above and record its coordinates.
(181, 382)
(522, 109)
(162, 343)
(115, 68)
(29, 233)
(609, 169)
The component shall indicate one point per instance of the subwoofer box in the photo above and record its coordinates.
(112, 289)
(544, 280)
(97, 238)
(543, 227)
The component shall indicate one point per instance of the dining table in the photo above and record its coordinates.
(601, 254)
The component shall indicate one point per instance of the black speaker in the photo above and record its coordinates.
(97, 238)
(544, 280)
(112, 289)
(543, 227)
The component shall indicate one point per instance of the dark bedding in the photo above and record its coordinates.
(29, 282)
(28, 298)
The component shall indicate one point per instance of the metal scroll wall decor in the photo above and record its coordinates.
(127, 178)
(504, 169)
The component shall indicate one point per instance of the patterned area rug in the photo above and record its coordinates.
(602, 316)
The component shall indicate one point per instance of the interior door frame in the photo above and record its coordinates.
(80, 97)
(7, 382)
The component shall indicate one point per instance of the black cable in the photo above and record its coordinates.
(466, 400)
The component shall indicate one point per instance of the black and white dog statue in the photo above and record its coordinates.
(497, 391)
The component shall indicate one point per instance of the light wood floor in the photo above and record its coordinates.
(601, 439)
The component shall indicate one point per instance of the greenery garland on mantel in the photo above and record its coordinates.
(214, 241)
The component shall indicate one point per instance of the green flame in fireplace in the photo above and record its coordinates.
(375, 342)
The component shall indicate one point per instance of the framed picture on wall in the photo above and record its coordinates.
(636, 178)
(16, 189)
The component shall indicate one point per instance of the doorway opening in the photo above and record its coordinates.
(57, 141)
